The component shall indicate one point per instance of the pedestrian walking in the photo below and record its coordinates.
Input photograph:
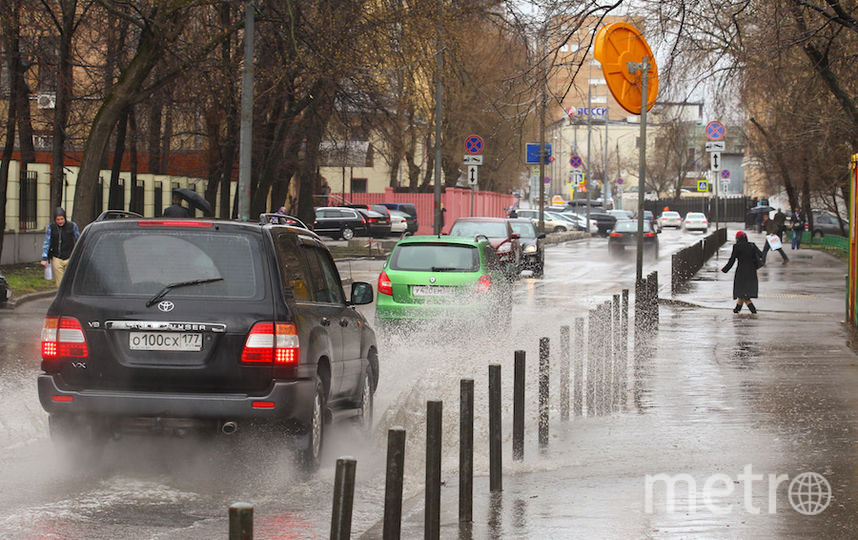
(60, 238)
(176, 210)
(773, 241)
(745, 283)
(797, 228)
(780, 224)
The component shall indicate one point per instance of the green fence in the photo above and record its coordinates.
(830, 242)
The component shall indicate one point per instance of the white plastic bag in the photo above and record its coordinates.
(774, 241)
(49, 272)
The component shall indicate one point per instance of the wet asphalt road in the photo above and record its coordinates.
(716, 393)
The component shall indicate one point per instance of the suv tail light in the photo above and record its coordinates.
(271, 343)
(63, 337)
(649, 235)
(484, 283)
(384, 284)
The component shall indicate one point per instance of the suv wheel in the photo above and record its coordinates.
(559, 229)
(817, 234)
(310, 453)
(348, 233)
(366, 402)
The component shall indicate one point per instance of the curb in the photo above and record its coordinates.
(15, 302)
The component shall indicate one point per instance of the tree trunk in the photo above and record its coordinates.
(65, 83)
(136, 204)
(154, 141)
(113, 199)
(319, 113)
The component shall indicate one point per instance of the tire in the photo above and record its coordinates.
(348, 233)
(559, 229)
(818, 234)
(367, 402)
(310, 451)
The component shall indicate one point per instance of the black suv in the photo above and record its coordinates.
(176, 325)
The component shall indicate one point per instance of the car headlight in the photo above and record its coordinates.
(530, 249)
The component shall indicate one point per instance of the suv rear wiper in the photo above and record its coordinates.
(163, 292)
(443, 268)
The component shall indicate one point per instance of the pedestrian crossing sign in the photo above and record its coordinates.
(702, 185)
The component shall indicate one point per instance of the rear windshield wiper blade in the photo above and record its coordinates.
(163, 292)
(443, 269)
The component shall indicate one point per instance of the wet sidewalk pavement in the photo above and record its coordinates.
(733, 408)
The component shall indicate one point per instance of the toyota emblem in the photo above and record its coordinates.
(166, 305)
(432, 279)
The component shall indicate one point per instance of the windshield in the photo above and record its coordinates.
(131, 263)
(630, 226)
(435, 258)
(524, 228)
(492, 229)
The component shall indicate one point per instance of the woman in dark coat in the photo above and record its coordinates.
(745, 285)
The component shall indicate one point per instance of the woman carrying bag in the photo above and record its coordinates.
(745, 284)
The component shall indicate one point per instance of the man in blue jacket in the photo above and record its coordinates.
(60, 239)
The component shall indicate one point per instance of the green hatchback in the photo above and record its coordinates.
(444, 278)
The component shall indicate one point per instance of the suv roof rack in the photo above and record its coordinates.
(117, 214)
(281, 219)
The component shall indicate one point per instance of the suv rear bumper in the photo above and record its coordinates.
(292, 400)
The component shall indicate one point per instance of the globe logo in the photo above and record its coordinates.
(809, 493)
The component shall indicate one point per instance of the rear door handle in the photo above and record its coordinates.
(344, 322)
(325, 321)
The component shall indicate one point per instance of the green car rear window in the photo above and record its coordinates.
(436, 258)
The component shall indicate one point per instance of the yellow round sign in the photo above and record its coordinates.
(615, 46)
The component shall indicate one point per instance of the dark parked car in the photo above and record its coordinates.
(5, 291)
(337, 222)
(604, 221)
(531, 245)
(171, 326)
(377, 224)
(625, 235)
(825, 222)
(501, 236)
(408, 208)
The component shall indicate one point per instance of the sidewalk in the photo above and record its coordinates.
(721, 392)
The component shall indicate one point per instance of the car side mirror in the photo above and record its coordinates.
(540, 236)
(361, 293)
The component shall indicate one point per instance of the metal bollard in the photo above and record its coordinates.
(624, 347)
(655, 298)
(564, 373)
(591, 362)
(578, 370)
(518, 407)
(466, 450)
(640, 314)
(495, 443)
(544, 368)
(616, 334)
(393, 483)
(432, 516)
(607, 356)
(241, 521)
(344, 496)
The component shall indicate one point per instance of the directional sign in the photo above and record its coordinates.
(533, 153)
(715, 161)
(725, 174)
(578, 178)
(474, 145)
(576, 161)
(715, 130)
(473, 160)
(473, 174)
(715, 146)
(702, 185)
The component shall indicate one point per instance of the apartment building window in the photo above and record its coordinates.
(159, 199)
(48, 59)
(27, 200)
(691, 159)
(358, 185)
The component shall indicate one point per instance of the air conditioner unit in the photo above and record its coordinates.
(46, 100)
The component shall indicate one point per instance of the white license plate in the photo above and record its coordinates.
(427, 290)
(165, 341)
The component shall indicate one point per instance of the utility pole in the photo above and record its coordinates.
(589, 130)
(542, 103)
(246, 130)
(606, 187)
(439, 89)
(643, 67)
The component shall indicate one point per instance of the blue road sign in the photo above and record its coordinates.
(576, 161)
(533, 153)
(725, 174)
(715, 130)
(474, 145)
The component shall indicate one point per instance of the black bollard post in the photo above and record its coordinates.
(616, 335)
(599, 358)
(393, 483)
(605, 360)
(518, 407)
(466, 450)
(640, 314)
(495, 442)
(592, 333)
(432, 516)
(655, 298)
(241, 521)
(544, 369)
(564, 373)
(344, 496)
(578, 371)
(624, 348)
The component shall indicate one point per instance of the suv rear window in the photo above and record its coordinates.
(132, 263)
(492, 229)
(434, 257)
